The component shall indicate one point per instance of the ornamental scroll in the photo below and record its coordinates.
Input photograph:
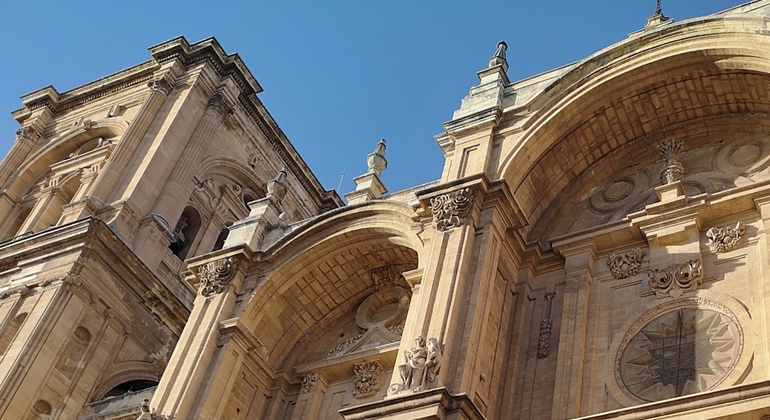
(676, 279)
(450, 210)
(725, 238)
(215, 276)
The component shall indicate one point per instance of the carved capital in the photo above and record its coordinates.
(309, 382)
(215, 276)
(27, 135)
(676, 279)
(625, 264)
(449, 210)
(161, 86)
(725, 238)
(367, 378)
(669, 150)
(219, 103)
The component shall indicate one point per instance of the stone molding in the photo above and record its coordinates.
(676, 279)
(625, 264)
(214, 276)
(725, 238)
(450, 209)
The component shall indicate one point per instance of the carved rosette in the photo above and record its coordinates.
(308, 382)
(669, 150)
(367, 378)
(450, 210)
(676, 279)
(725, 238)
(215, 276)
(161, 86)
(626, 264)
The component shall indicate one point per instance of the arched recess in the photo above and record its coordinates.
(323, 271)
(250, 182)
(675, 83)
(59, 149)
(125, 372)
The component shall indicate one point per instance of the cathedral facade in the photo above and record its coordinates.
(595, 246)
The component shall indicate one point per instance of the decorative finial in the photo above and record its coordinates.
(376, 161)
(276, 188)
(498, 58)
(658, 17)
(669, 150)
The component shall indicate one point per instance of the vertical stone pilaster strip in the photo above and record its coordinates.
(25, 140)
(116, 165)
(177, 189)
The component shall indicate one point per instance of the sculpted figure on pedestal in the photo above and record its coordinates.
(422, 364)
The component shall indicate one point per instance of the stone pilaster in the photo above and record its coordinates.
(26, 137)
(179, 185)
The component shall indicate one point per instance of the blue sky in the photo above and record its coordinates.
(337, 75)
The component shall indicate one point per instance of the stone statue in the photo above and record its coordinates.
(422, 364)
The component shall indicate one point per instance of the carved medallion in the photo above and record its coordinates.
(725, 238)
(367, 378)
(215, 276)
(686, 346)
(626, 264)
(449, 210)
(676, 279)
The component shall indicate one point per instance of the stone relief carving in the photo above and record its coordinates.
(396, 329)
(422, 364)
(341, 347)
(669, 150)
(161, 86)
(27, 134)
(544, 339)
(676, 279)
(215, 276)
(308, 382)
(725, 238)
(449, 210)
(219, 103)
(678, 348)
(367, 378)
(625, 264)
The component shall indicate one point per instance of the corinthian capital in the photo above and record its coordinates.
(161, 86)
(27, 134)
(219, 103)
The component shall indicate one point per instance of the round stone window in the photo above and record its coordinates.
(680, 350)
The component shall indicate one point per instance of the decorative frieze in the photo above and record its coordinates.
(308, 382)
(340, 348)
(367, 378)
(672, 171)
(422, 364)
(215, 276)
(450, 210)
(625, 264)
(676, 279)
(725, 238)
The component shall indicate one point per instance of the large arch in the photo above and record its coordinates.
(321, 271)
(670, 82)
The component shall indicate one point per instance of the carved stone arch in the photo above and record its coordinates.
(235, 170)
(38, 163)
(125, 372)
(362, 239)
(587, 114)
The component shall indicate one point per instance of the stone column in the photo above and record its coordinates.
(26, 137)
(573, 331)
(46, 211)
(118, 162)
(196, 354)
(179, 185)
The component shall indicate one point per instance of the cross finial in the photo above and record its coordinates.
(658, 9)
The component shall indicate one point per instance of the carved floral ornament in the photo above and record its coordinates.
(308, 382)
(215, 276)
(725, 238)
(676, 279)
(449, 210)
(626, 264)
(367, 378)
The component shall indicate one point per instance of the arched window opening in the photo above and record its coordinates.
(130, 386)
(185, 231)
(248, 198)
(8, 336)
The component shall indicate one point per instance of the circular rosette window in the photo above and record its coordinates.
(687, 349)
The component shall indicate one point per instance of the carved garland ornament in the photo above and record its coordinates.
(215, 276)
(626, 264)
(367, 378)
(725, 238)
(676, 279)
(449, 210)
